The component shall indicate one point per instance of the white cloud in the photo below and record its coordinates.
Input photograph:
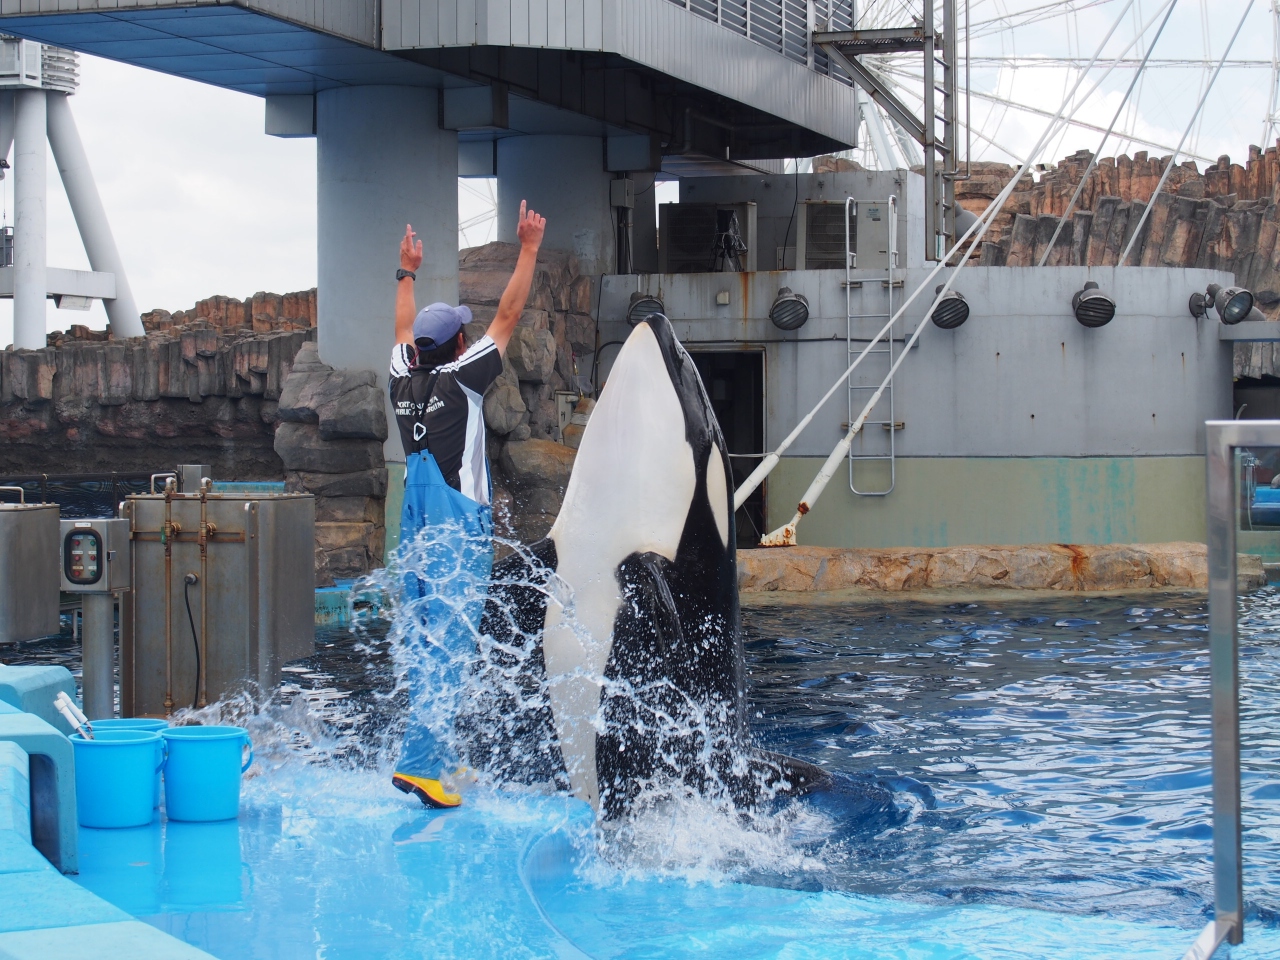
(201, 201)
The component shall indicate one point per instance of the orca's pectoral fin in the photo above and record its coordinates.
(653, 623)
(782, 776)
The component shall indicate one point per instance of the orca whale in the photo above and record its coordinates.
(622, 626)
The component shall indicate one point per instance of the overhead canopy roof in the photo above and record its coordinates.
(643, 66)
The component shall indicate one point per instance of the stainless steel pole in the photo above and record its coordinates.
(1223, 439)
(98, 651)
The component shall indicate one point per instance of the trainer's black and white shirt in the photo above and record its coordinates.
(448, 424)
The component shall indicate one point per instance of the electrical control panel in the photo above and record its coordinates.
(95, 556)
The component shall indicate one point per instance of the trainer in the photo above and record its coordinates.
(446, 527)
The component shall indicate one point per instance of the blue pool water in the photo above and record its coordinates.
(1016, 778)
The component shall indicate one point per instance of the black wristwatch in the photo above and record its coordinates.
(401, 274)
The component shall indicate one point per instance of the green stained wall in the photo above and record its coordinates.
(945, 501)
(395, 500)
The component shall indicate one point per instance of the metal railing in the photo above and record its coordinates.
(1225, 441)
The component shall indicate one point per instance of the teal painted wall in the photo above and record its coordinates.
(950, 501)
(395, 500)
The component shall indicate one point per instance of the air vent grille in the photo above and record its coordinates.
(824, 236)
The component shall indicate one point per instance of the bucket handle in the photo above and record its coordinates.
(164, 754)
(248, 763)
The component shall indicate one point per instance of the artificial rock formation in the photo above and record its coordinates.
(556, 328)
(87, 403)
(329, 439)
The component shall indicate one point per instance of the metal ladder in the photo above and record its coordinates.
(859, 394)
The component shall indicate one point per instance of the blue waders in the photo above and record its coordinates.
(448, 538)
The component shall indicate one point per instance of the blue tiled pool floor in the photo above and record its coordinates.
(359, 873)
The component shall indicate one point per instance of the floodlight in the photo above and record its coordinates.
(1092, 307)
(1232, 303)
(790, 310)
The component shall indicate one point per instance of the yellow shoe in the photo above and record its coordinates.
(430, 792)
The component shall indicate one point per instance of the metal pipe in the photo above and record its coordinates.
(127, 662)
(98, 653)
(206, 531)
(168, 531)
(979, 226)
(1146, 211)
(22, 494)
(91, 218)
(30, 276)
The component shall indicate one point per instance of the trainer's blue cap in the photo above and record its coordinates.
(440, 323)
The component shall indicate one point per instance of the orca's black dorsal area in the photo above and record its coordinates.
(638, 681)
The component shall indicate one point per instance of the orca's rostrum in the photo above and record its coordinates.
(622, 675)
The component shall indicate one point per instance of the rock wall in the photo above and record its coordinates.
(556, 328)
(191, 394)
(1224, 218)
(331, 427)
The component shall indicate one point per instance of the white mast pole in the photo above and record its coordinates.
(30, 276)
(91, 218)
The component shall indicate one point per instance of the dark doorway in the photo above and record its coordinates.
(735, 384)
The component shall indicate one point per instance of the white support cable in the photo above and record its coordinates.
(785, 535)
(767, 465)
(1146, 211)
(1093, 161)
(1269, 122)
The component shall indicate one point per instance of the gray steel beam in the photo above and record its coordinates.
(857, 42)
(878, 92)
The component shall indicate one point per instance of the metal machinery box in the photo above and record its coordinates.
(252, 604)
(28, 571)
(95, 555)
(692, 238)
(821, 231)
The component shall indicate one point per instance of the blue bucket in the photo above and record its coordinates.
(115, 777)
(138, 723)
(202, 774)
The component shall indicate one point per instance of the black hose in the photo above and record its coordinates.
(187, 581)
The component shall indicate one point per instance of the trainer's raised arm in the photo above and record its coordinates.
(529, 231)
(406, 304)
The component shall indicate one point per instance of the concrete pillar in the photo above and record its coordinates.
(30, 282)
(564, 179)
(382, 161)
(91, 218)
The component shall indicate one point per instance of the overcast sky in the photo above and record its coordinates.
(202, 202)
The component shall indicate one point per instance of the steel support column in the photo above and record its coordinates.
(30, 279)
(98, 654)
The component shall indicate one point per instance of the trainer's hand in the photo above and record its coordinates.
(530, 229)
(410, 252)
